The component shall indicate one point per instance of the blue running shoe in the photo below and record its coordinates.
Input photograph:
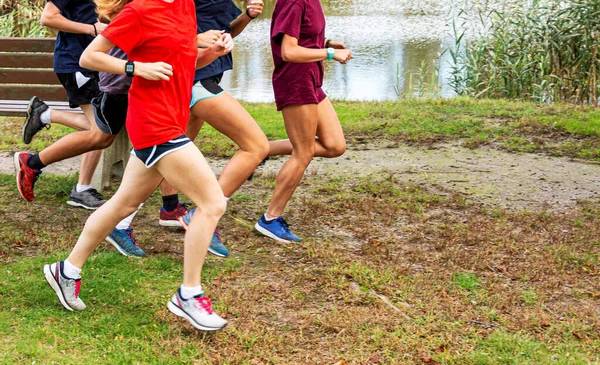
(216, 247)
(277, 229)
(125, 242)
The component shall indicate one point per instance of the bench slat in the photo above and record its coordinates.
(27, 45)
(24, 92)
(24, 60)
(20, 76)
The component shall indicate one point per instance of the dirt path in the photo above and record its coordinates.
(495, 178)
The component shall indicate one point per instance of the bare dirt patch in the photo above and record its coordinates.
(497, 179)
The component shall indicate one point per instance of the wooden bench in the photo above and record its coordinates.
(26, 69)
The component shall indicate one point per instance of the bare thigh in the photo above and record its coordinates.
(229, 117)
(188, 172)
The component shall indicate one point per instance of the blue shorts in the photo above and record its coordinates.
(151, 155)
(206, 88)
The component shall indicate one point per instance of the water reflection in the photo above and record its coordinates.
(389, 40)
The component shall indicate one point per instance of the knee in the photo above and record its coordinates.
(262, 150)
(216, 208)
(304, 157)
(101, 140)
(336, 150)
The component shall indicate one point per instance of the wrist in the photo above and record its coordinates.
(130, 68)
(330, 53)
(248, 15)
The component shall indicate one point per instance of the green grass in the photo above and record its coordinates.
(126, 322)
(467, 291)
(561, 129)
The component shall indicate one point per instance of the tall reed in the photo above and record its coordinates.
(547, 51)
(21, 18)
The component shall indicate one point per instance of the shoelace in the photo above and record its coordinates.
(203, 303)
(77, 288)
(129, 233)
(36, 175)
(96, 194)
(42, 126)
(284, 224)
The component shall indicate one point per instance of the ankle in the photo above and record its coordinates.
(270, 217)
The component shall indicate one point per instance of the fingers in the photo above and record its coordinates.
(255, 7)
(166, 69)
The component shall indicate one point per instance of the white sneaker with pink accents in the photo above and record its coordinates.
(66, 289)
(197, 310)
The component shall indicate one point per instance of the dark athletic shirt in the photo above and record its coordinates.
(115, 84)
(305, 21)
(70, 46)
(215, 15)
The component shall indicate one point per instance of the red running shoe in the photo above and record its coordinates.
(26, 176)
(171, 219)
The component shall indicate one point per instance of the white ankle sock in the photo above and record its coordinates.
(269, 219)
(187, 293)
(71, 271)
(45, 117)
(126, 222)
(81, 188)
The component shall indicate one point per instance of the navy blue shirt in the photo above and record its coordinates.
(215, 15)
(70, 46)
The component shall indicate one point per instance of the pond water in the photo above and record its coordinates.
(390, 40)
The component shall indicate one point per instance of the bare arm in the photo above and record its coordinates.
(94, 57)
(292, 52)
(52, 18)
(254, 8)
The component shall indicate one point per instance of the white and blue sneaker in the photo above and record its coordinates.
(216, 247)
(277, 229)
(125, 242)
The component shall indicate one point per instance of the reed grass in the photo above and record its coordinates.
(546, 52)
(21, 18)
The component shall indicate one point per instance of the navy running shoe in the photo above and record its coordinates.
(277, 229)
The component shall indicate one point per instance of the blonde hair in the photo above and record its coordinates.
(108, 9)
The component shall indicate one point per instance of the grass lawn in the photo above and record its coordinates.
(387, 273)
(560, 130)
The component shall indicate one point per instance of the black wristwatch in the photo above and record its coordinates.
(129, 68)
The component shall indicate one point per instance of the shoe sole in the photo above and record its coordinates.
(27, 119)
(18, 175)
(116, 245)
(268, 233)
(217, 253)
(170, 223)
(80, 205)
(173, 308)
(54, 285)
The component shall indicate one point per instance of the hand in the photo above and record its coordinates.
(337, 45)
(206, 39)
(99, 28)
(223, 46)
(255, 8)
(153, 71)
(342, 55)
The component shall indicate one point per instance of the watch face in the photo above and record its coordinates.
(129, 68)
